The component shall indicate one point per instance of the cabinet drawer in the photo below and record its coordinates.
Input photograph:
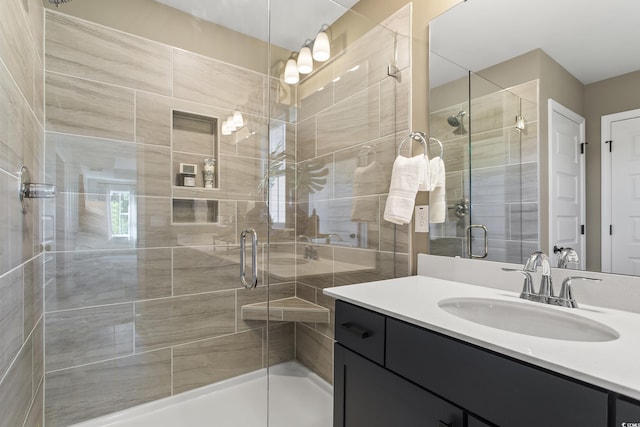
(496, 388)
(361, 330)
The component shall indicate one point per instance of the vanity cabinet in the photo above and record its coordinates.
(418, 377)
(627, 413)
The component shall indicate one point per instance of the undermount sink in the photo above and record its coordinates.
(528, 319)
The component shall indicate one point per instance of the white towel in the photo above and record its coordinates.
(407, 175)
(437, 196)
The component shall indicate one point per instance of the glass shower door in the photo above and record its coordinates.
(333, 137)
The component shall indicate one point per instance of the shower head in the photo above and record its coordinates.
(458, 123)
(58, 2)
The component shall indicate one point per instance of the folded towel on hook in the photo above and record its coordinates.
(408, 174)
(437, 195)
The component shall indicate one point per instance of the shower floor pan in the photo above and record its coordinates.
(297, 398)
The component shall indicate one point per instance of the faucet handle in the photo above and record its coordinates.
(566, 298)
(527, 285)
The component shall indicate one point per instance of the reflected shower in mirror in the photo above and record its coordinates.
(560, 185)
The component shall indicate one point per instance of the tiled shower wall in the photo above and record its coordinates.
(503, 163)
(21, 276)
(133, 319)
(351, 117)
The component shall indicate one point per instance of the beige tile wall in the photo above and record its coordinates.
(159, 313)
(351, 115)
(129, 320)
(21, 258)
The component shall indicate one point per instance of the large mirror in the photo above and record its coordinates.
(525, 95)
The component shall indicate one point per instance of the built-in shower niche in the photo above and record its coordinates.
(194, 211)
(194, 138)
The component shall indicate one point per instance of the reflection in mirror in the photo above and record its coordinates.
(545, 186)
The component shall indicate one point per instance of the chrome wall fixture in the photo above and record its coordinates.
(31, 190)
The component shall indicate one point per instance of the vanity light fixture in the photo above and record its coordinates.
(235, 123)
(302, 62)
(238, 120)
(305, 60)
(321, 45)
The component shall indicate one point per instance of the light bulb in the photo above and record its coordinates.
(230, 124)
(305, 61)
(238, 120)
(291, 75)
(321, 47)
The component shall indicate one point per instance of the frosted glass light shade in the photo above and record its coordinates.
(321, 47)
(291, 75)
(225, 129)
(305, 61)
(238, 120)
(230, 125)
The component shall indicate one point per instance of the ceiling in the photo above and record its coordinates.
(593, 40)
(292, 21)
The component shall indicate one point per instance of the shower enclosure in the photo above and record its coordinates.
(490, 135)
(136, 269)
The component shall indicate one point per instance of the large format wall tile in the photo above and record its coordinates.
(281, 344)
(16, 390)
(90, 391)
(206, 362)
(10, 317)
(173, 321)
(76, 337)
(205, 269)
(205, 80)
(315, 351)
(33, 293)
(88, 108)
(16, 47)
(98, 166)
(240, 178)
(89, 278)
(349, 122)
(94, 52)
(12, 111)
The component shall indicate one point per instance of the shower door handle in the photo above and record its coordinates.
(250, 284)
(486, 241)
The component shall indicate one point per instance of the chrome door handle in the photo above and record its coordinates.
(486, 241)
(254, 262)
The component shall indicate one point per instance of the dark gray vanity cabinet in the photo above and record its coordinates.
(410, 376)
(627, 413)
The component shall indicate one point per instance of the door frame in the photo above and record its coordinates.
(554, 106)
(605, 180)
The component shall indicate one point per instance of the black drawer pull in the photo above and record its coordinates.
(356, 330)
(443, 424)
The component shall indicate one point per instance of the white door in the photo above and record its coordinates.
(566, 180)
(625, 195)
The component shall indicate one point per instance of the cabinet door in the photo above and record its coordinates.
(367, 395)
(627, 413)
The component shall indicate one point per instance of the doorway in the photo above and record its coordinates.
(566, 180)
(621, 193)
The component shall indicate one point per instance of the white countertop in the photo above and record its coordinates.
(613, 365)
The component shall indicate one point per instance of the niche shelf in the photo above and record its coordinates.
(194, 137)
(291, 309)
(194, 211)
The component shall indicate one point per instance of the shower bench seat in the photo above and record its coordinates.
(291, 309)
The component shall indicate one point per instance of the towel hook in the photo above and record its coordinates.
(421, 138)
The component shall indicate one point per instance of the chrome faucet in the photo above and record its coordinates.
(310, 251)
(567, 255)
(540, 259)
(330, 235)
(566, 299)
